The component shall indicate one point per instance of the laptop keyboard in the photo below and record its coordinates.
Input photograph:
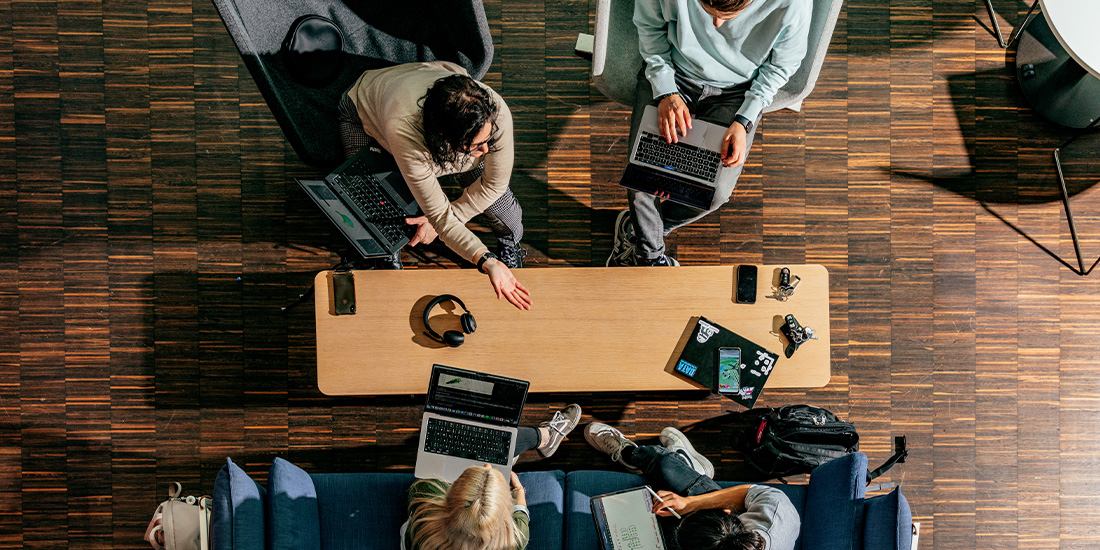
(366, 192)
(681, 157)
(467, 441)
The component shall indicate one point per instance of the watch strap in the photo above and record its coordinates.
(743, 121)
(484, 258)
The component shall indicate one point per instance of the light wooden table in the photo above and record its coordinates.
(589, 330)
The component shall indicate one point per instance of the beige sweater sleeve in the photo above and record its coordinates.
(418, 170)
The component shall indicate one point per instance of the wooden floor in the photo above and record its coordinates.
(150, 234)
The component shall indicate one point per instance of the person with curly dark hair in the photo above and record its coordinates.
(742, 517)
(442, 125)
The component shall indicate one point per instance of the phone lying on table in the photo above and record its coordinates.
(729, 370)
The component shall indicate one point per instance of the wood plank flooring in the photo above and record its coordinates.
(150, 234)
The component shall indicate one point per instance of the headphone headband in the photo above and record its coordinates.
(435, 302)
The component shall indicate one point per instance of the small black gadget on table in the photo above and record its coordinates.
(746, 284)
(452, 338)
(343, 292)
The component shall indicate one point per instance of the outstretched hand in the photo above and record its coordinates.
(506, 285)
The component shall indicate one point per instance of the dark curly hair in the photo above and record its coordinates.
(453, 111)
(716, 530)
(727, 6)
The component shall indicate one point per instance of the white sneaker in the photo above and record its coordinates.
(608, 440)
(559, 427)
(675, 441)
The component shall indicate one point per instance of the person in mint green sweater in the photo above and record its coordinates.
(721, 61)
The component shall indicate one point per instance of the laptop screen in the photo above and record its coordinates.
(476, 395)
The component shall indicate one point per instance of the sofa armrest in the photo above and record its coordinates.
(615, 68)
(835, 491)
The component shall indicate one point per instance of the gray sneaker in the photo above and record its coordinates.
(675, 441)
(559, 426)
(608, 440)
(623, 251)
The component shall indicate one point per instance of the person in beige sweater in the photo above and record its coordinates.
(439, 123)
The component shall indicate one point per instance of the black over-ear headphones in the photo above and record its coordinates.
(452, 338)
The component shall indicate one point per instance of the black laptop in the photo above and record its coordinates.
(368, 200)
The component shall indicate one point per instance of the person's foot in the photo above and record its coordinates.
(392, 261)
(664, 260)
(558, 427)
(675, 441)
(512, 256)
(623, 251)
(608, 440)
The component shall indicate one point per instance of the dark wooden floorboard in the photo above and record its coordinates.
(150, 233)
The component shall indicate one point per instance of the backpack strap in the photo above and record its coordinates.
(900, 452)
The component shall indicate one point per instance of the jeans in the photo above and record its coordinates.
(665, 469)
(653, 218)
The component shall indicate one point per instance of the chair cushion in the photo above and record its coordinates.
(887, 522)
(362, 510)
(293, 520)
(238, 515)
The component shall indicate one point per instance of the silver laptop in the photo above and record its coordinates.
(470, 419)
(684, 172)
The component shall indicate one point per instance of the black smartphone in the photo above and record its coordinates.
(746, 284)
(343, 292)
(729, 370)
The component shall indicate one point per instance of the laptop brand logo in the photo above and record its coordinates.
(706, 330)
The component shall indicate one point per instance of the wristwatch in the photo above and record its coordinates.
(743, 122)
(484, 258)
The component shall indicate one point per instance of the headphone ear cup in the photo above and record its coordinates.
(468, 323)
(453, 338)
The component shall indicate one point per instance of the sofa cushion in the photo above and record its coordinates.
(238, 515)
(887, 522)
(293, 522)
(835, 489)
(580, 487)
(362, 511)
(546, 501)
(367, 510)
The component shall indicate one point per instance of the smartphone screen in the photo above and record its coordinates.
(729, 370)
(746, 284)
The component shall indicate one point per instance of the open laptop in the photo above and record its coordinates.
(684, 172)
(470, 419)
(368, 200)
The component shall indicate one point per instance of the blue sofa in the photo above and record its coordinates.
(303, 511)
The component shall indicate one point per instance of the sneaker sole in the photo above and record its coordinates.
(672, 435)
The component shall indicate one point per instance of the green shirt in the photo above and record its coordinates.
(437, 487)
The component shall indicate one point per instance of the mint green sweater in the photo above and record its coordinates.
(764, 44)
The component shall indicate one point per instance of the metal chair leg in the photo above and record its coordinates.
(1065, 200)
(997, 27)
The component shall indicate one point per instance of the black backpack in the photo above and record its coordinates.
(795, 439)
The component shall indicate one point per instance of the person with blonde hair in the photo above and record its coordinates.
(481, 510)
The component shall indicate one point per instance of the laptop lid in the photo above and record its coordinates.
(347, 222)
(702, 134)
(477, 396)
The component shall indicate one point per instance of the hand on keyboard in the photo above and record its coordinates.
(425, 233)
(733, 145)
(673, 115)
